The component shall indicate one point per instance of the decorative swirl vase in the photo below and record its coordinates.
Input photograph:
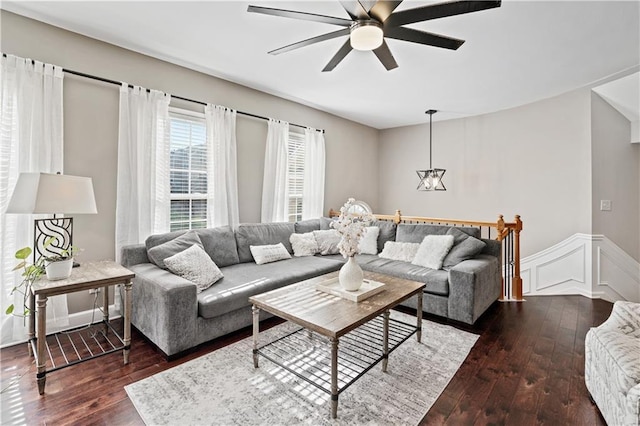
(350, 275)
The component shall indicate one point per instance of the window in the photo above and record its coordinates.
(188, 168)
(296, 176)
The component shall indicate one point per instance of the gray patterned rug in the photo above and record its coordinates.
(223, 388)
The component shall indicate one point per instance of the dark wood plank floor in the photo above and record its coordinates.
(526, 368)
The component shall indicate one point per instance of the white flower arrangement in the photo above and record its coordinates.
(351, 227)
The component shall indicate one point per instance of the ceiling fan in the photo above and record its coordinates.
(368, 28)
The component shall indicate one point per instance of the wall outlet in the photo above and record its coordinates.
(94, 290)
(605, 205)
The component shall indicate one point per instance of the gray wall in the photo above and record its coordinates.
(533, 160)
(91, 126)
(616, 176)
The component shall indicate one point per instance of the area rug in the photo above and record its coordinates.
(223, 388)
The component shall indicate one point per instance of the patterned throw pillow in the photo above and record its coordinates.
(195, 265)
(404, 252)
(269, 253)
(432, 251)
(303, 244)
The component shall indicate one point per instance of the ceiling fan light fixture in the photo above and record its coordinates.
(366, 35)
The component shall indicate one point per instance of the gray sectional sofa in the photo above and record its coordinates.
(168, 310)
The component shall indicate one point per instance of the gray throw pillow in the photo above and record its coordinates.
(159, 253)
(465, 247)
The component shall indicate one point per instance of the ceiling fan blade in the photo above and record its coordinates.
(422, 37)
(309, 41)
(384, 54)
(439, 10)
(355, 9)
(383, 9)
(344, 51)
(300, 15)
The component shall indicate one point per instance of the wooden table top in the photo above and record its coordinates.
(84, 277)
(330, 315)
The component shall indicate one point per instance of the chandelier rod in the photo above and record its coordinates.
(431, 112)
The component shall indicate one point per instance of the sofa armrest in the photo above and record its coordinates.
(165, 308)
(133, 255)
(473, 286)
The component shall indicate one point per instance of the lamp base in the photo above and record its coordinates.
(60, 229)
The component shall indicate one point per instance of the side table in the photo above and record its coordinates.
(88, 275)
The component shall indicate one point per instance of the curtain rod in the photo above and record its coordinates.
(118, 83)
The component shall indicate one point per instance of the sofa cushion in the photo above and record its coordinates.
(248, 279)
(404, 252)
(219, 243)
(158, 253)
(325, 223)
(432, 251)
(415, 233)
(269, 253)
(260, 234)
(464, 247)
(194, 265)
(305, 226)
(368, 243)
(303, 244)
(387, 232)
(437, 281)
(328, 241)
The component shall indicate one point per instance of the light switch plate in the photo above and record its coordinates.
(605, 205)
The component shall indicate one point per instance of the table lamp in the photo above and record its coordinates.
(47, 193)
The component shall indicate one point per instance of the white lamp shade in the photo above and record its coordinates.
(46, 193)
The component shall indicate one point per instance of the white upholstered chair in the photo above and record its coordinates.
(612, 365)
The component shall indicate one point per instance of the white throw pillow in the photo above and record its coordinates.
(404, 252)
(369, 242)
(432, 251)
(303, 244)
(327, 241)
(269, 253)
(195, 265)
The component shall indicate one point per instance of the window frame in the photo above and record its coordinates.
(196, 118)
(294, 212)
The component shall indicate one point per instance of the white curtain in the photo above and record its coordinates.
(143, 186)
(31, 141)
(275, 185)
(314, 159)
(222, 175)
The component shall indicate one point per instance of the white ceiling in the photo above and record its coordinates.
(516, 54)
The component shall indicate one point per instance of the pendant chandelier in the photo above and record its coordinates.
(431, 180)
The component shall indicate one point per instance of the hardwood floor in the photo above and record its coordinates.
(526, 368)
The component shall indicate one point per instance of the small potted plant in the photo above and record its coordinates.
(58, 266)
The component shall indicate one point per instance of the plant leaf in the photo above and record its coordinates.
(19, 265)
(23, 253)
(9, 310)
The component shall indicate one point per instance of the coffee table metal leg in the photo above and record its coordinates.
(419, 315)
(334, 377)
(41, 337)
(256, 330)
(385, 341)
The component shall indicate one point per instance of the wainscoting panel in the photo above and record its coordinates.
(583, 264)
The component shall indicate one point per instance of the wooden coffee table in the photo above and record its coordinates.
(335, 331)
